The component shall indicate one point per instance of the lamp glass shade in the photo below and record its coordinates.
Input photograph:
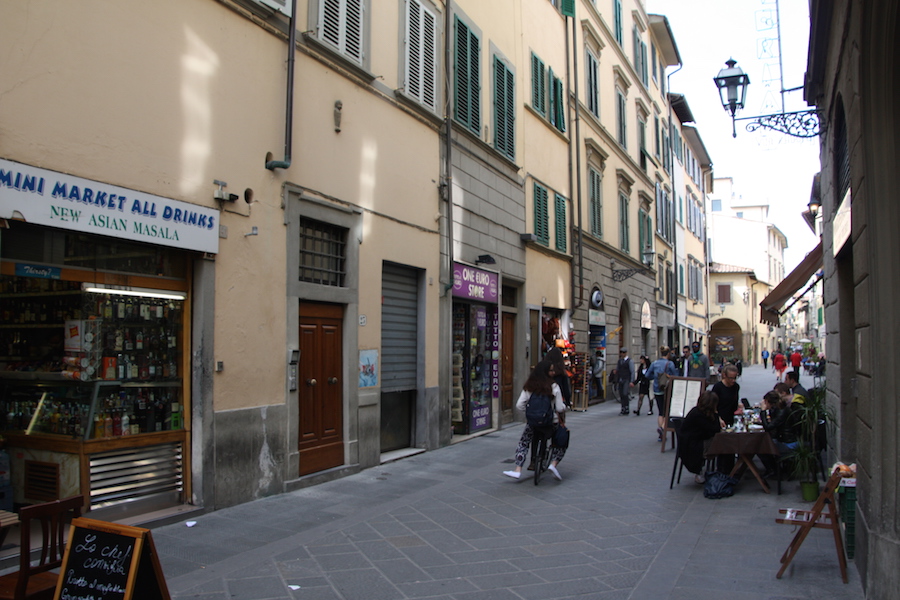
(732, 83)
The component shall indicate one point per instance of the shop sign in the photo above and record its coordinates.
(842, 224)
(596, 317)
(64, 201)
(646, 316)
(475, 284)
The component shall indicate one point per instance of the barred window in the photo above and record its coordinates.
(322, 253)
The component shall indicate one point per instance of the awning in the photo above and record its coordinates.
(770, 307)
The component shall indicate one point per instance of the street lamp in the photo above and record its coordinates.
(732, 83)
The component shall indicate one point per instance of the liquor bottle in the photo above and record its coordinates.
(135, 372)
(98, 426)
(139, 340)
(124, 424)
(176, 415)
(107, 425)
(117, 423)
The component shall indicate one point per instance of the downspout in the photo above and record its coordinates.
(289, 101)
(447, 183)
(578, 250)
(678, 343)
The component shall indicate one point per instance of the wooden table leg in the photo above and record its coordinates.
(747, 460)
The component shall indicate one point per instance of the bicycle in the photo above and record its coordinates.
(540, 451)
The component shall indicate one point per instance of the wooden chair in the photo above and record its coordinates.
(34, 582)
(822, 515)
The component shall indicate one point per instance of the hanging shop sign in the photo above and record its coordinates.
(596, 317)
(64, 201)
(646, 316)
(475, 284)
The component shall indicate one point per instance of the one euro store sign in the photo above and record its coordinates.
(475, 284)
(64, 201)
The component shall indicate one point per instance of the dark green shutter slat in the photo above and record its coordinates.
(567, 7)
(560, 216)
(541, 215)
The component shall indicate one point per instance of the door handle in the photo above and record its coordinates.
(311, 382)
(332, 380)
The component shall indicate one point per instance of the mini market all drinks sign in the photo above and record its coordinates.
(475, 284)
(64, 201)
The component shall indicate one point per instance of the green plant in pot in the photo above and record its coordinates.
(813, 418)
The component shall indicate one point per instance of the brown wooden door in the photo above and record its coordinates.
(507, 351)
(320, 383)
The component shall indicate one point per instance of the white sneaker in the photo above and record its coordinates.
(556, 474)
(513, 474)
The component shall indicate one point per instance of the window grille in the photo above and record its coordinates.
(323, 253)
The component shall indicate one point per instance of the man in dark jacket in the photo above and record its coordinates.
(792, 379)
(728, 390)
(625, 380)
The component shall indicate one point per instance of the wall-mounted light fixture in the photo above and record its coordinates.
(99, 288)
(221, 194)
(485, 259)
(733, 82)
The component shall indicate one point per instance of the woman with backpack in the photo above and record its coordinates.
(665, 368)
(538, 390)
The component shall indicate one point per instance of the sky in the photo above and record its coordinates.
(767, 167)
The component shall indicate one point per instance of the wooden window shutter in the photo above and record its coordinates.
(560, 225)
(596, 200)
(538, 94)
(421, 57)
(504, 110)
(541, 214)
(466, 73)
(341, 25)
(567, 8)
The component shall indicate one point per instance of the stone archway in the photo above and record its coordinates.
(726, 340)
(625, 325)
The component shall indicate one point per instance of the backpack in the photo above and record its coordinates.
(539, 410)
(663, 380)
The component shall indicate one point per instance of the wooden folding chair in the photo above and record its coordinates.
(815, 517)
(33, 582)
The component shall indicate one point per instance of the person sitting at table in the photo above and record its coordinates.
(774, 415)
(697, 430)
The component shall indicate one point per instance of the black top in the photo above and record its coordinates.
(728, 400)
(695, 429)
(562, 380)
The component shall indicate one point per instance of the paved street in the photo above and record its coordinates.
(447, 525)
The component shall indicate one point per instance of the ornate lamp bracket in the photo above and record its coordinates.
(801, 124)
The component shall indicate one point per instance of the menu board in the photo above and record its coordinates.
(106, 561)
(685, 391)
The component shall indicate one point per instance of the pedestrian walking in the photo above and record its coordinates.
(643, 385)
(765, 358)
(625, 378)
(698, 363)
(779, 364)
(661, 366)
(597, 373)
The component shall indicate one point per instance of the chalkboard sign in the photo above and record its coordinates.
(106, 561)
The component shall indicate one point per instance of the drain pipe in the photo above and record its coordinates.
(447, 184)
(576, 302)
(289, 102)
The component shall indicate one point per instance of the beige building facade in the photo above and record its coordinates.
(261, 244)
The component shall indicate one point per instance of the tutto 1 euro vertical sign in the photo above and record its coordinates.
(475, 284)
(45, 197)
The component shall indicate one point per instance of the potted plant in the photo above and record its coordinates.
(813, 418)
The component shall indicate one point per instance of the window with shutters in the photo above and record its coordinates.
(560, 222)
(592, 87)
(723, 293)
(557, 111)
(341, 26)
(467, 78)
(645, 237)
(504, 109)
(595, 192)
(617, 22)
(541, 215)
(538, 85)
(624, 232)
(621, 115)
(421, 78)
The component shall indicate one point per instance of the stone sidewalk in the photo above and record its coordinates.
(446, 524)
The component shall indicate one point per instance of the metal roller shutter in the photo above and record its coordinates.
(399, 328)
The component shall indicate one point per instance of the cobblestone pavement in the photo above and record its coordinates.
(446, 524)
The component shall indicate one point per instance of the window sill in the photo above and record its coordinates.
(335, 54)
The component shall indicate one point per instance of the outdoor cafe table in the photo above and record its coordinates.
(745, 445)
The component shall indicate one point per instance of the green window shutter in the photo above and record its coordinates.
(560, 216)
(596, 203)
(641, 239)
(541, 214)
(624, 232)
(538, 94)
(567, 8)
(466, 78)
(617, 21)
(558, 110)
(504, 110)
